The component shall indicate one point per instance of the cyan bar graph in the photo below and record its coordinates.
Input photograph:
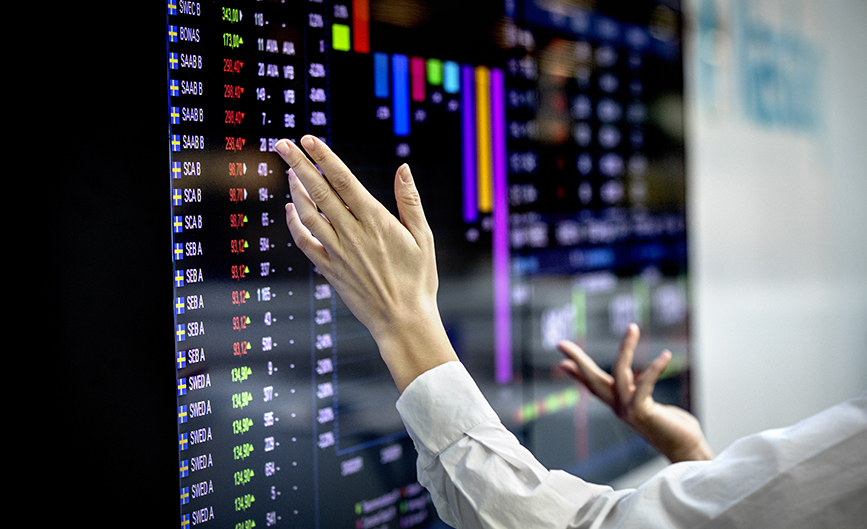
(451, 77)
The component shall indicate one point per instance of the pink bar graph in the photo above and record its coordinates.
(417, 74)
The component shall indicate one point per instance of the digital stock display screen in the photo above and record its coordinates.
(546, 139)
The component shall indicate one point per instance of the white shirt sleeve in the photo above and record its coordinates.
(813, 474)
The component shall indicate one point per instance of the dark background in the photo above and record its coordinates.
(103, 446)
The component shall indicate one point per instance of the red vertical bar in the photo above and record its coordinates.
(361, 26)
(418, 78)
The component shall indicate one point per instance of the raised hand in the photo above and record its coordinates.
(383, 268)
(672, 430)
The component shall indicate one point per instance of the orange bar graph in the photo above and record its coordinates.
(483, 138)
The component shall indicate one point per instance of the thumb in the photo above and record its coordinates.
(409, 205)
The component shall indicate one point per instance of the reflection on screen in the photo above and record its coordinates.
(546, 139)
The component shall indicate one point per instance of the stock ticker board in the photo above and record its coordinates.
(546, 139)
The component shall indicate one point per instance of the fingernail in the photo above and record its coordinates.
(291, 174)
(405, 174)
(282, 147)
(307, 142)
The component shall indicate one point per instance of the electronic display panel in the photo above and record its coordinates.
(546, 139)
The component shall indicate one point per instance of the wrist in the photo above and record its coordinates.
(698, 452)
(673, 432)
(412, 345)
(677, 450)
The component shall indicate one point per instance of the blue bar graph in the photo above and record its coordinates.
(380, 75)
(400, 94)
(468, 146)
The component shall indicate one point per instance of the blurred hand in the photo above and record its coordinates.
(383, 268)
(671, 430)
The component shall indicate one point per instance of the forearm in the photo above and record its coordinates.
(414, 346)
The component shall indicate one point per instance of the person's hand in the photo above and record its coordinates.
(382, 268)
(672, 430)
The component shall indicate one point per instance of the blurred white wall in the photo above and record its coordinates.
(777, 154)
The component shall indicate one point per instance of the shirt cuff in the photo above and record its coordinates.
(440, 405)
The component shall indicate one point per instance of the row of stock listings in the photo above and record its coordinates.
(254, 320)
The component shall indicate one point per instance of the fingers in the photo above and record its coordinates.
(318, 188)
(306, 211)
(341, 180)
(622, 369)
(582, 367)
(409, 205)
(304, 239)
(647, 379)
